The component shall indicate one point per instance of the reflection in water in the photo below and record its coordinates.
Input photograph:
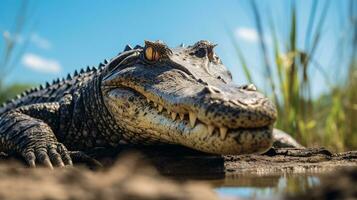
(264, 186)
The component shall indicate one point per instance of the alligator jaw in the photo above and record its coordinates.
(191, 120)
(155, 123)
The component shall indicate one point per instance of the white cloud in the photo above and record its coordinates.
(41, 64)
(248, 34)
(40, 41)
(251, 35)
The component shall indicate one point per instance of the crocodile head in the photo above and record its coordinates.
(185, 96)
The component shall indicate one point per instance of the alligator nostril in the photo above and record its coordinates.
(211, 89)
(249, 87)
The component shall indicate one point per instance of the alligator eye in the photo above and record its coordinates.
(151, 54)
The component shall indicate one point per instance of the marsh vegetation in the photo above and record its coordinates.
(287, 64)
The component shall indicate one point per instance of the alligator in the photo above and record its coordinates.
(147, 95)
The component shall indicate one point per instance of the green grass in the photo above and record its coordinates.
(327, 120)
(11, 91)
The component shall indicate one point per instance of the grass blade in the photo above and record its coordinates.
(240, 57)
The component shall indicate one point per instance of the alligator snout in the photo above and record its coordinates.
(235, 107)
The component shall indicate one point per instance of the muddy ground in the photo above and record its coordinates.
(128, 178)
(167, 173)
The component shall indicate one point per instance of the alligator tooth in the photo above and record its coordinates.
(182, 116)
(223, 132)
(160, 108)
(210, 129)
(148, 100)
(168, 111)
(155, 104)
(173, 116)
(193, 118)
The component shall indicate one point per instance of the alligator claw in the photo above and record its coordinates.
(53, 155)
(80, 156)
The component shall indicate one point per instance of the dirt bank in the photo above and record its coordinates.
(289, 160)
(132, 176)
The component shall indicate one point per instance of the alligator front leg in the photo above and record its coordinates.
(23, 131)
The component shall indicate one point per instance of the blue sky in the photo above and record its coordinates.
(67, 35)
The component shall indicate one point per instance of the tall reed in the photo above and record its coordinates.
(327, 120)
(12, 50)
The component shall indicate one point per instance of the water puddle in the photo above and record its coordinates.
(263, 187)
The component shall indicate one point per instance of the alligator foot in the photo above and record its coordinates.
(284, 140)
(81, 157)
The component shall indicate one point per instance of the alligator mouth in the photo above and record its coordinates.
(188, 118)
(191, 120)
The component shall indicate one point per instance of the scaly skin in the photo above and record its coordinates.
(146, 95)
